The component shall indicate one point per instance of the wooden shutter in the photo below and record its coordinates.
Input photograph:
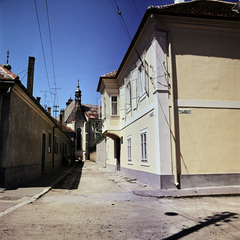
(122, 101)
(134, 88)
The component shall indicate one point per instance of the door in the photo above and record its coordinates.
(43, 152)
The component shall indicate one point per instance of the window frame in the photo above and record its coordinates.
(49, 142)
(116, 102)
(144, 151)
(129, 150)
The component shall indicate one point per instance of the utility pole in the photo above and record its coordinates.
(55, 106)
(45, 98)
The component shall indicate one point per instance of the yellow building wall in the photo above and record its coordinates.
(207, 67)
(210, 140)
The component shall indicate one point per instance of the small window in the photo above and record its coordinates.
(144, 146)
(114, 105)
(129, 149)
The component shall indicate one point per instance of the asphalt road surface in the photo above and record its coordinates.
(92, 203)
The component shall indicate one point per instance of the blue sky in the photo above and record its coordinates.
(87, 39)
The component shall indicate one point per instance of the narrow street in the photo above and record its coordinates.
(93, 203)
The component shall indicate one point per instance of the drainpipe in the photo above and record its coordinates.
(175, 165)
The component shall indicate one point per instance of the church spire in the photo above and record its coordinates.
(6, 65)
(78, 93)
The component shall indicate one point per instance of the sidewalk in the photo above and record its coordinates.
(11, 199)
(197, 192)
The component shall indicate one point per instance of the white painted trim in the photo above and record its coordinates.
(139, 115)
(131, 161)
(208, 104)
(143, 163)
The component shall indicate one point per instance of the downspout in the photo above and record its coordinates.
(172, 109)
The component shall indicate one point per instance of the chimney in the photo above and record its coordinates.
(49, 110)
(38, 99)
(31, 62)
(61, 118)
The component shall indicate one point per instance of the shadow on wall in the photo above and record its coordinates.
(216, 219)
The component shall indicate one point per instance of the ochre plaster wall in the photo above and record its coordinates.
(210, 140)
(207, 67)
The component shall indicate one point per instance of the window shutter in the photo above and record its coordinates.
(146, 78)
(134, 89)
(122, 101)
(127, 93)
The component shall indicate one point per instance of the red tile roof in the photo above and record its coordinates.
(80, 110)
(5, 74)
(65, 128)
(76, 114)
(111, 74)
(200, 8)
(91, 111)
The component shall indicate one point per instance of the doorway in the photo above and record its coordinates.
(118, 151)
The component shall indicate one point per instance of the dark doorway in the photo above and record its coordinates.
(43, 152)
(79, 139)
(118, 150)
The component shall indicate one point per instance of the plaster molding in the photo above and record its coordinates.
(188, 103)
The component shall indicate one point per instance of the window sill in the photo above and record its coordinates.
(114, 116)
(130, 163)
(145, 164)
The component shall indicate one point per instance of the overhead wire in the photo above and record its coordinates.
(120, 16)
(22, 71)
(50, 39)
(125, 27)
(44, 58)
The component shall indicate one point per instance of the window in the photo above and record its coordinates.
(114, 105)
(129, 149)
(144, 146)
(49, 142)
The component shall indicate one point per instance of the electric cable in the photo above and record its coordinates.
(44, 59)
(50, 39)
(22, 72)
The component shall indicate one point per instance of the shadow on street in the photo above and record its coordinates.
(216, 219)
(72, 179)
